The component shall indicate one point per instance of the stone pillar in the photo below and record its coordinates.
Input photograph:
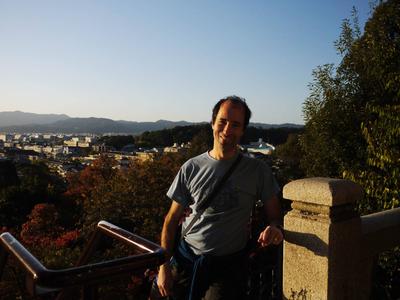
(322, 240)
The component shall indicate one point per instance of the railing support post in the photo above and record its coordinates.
(322, 240)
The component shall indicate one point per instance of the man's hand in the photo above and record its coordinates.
(164, 281)
(270, 235)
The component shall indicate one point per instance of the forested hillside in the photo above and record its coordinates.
(184, 134)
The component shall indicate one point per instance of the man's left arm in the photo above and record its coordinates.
(272, 234)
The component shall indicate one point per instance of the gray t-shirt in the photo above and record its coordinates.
(223, 228)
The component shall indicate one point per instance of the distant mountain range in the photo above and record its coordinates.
(22, 122)
(18, 118)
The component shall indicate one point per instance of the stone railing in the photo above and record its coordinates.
(329, 249)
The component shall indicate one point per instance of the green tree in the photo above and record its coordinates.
(376, 60)
(352, 125)
(201, 142)
(289, 155)
(117, 141)
(8, 174)
(14, 206)
(19, 194)
(332, 141)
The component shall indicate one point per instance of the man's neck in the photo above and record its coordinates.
(219, 154)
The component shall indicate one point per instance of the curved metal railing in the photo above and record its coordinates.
(41, 280)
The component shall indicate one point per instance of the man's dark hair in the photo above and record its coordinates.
(237, 101)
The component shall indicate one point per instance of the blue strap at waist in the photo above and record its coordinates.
(199, 266)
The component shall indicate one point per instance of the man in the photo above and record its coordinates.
(209, 262)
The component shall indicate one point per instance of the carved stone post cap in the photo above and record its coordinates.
(323, 191)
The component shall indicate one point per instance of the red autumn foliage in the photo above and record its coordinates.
(81, 185)
(67, 239)
(43, 230)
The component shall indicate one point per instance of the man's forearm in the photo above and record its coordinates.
(273, 233)
(168, 234)
(273, 211)
(170, 227)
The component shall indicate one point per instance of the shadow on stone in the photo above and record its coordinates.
(308, 241)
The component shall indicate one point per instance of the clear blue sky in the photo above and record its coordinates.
(149, 60)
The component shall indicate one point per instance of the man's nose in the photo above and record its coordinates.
(227, 128)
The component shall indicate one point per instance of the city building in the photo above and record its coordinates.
(260, 147)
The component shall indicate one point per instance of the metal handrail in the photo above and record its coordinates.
(152, 255)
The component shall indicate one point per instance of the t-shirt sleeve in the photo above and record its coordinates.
(178, 190)
(269, 185)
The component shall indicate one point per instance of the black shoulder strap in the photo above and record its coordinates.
(206, 202)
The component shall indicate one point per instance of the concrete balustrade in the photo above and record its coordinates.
(322, 240)
(380, 231)
(329, 250)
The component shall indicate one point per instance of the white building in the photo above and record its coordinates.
(177, 148)
(83, 144)
(5, 137)
(36, 148)
(90, 139)
(71, 143)
(260, 147)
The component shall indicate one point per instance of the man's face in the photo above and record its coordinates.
(228, 126)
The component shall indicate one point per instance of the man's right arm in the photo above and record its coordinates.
(168, 234)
